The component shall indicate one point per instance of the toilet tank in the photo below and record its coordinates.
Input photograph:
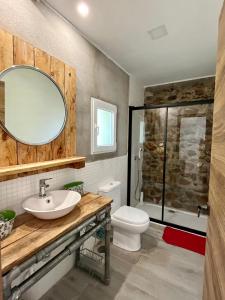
(112, 190)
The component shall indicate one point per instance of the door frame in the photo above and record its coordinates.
(155, 106)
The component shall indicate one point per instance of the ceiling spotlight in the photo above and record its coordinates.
(83, 9)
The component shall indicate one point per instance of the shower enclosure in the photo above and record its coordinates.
(169, 160)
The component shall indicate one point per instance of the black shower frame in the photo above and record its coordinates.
(167, 106)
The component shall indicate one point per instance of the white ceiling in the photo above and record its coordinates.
(119, 28)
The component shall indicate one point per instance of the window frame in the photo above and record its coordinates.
(103, 105)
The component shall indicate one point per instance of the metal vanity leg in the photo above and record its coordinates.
(6, 289)
(77, 253)
(107, 250)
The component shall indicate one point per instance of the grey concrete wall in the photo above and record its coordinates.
(97, 75)
(136, 92)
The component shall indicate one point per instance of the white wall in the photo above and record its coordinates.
(95, 174)
(136, 164)
(136, 92)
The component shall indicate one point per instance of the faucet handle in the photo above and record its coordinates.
(42, 181)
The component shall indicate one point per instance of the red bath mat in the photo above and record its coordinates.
(186, 240)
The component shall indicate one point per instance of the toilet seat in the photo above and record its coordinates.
(130, 227)
(131, 215)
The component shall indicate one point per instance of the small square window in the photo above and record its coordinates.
(103, 126)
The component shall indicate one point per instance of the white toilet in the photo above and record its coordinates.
(128, 222)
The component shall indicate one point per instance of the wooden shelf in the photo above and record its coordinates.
(75, 162)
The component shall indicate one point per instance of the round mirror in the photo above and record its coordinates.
(32, 106)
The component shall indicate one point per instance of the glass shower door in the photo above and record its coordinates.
(147, 160)
(188, 147)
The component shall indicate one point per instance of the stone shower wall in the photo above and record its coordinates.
(188, 145)
(153, 155)
(181, 91)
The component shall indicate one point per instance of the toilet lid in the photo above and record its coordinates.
(131, 215)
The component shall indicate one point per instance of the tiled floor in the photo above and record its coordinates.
(158, 272)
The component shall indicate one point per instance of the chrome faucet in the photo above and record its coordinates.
(43, 186)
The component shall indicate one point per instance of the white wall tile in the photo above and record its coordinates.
(95, 174)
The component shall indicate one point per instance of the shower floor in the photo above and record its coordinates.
(175, 216)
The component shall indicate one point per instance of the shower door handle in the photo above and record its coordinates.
(205, 208)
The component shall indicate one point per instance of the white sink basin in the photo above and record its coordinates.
(55, 205)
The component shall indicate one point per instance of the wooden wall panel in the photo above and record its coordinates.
(8, 149)
(2, 102)
(214, 282)
(43, 62)
(15, 51)
(70, 94)
(24, 55)
(58, 74)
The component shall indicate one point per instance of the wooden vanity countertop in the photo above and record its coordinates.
(31, 234)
